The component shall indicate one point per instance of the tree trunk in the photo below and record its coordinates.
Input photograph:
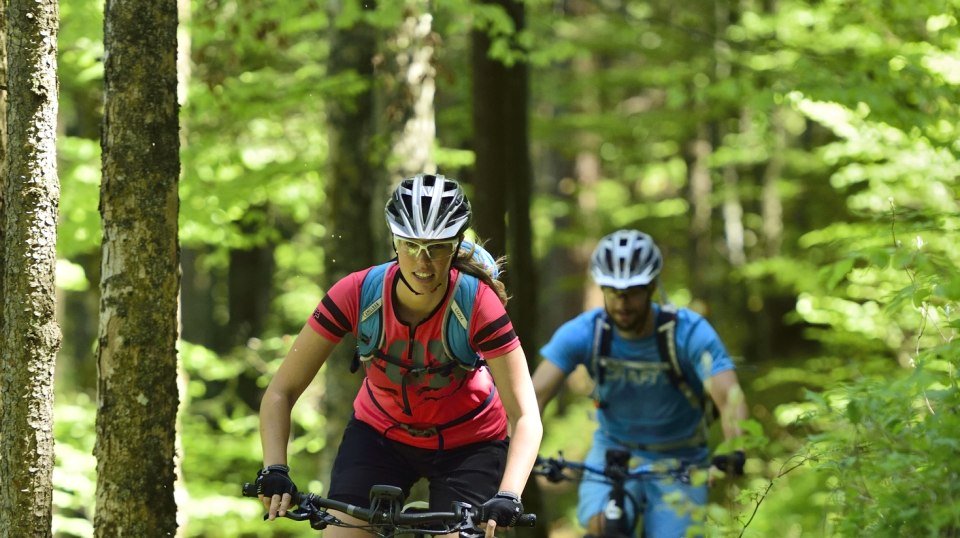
(771, 204)
(352, 187)
(140, 276)
(699, 187)
(3, 150)
(492, 173)
(406, 90)
(503, 172)
(503, 182)
(28, 329)
(408, 95)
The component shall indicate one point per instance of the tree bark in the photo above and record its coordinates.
(492, 173)
(28, 328)
(352, 187)
(3, 148)
(140, 273)
(407, 100)
(503, 177)
(503, 181)
(770, 202)
(700, 186)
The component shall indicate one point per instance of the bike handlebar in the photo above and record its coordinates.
(552, 468)
(312, 507)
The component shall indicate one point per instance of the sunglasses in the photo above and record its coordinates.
(630, 294)
(433, 249)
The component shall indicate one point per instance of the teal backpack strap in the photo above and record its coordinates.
(456, 321)
(370, 327)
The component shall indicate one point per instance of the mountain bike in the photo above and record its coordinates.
(387, 516)
(617, 472)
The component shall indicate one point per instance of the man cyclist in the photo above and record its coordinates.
(654, 409)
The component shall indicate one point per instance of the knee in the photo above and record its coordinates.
(595, 525)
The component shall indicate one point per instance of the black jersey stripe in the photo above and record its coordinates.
(490, 345)
(327, 324)
(491, 328)
(337, 313)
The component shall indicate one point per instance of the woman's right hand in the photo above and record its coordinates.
(275, 490)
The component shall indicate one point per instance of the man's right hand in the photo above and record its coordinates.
(726, 465)
(275, 490)
(732, 463)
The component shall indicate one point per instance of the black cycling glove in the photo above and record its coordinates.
(731, 463)
(505, 508)
(275, 480)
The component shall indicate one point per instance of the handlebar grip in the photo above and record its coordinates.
(731, 463)
(527, 520)
(249, 489)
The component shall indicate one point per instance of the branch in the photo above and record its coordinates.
(763, 495)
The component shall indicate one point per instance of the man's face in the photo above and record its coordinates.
(629, 308)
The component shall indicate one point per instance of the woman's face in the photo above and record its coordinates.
(425, 264)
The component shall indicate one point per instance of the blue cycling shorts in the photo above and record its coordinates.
(670, 506)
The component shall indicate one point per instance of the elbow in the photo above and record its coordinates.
(275, 398)
(531, 426)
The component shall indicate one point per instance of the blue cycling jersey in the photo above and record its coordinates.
(640, 404)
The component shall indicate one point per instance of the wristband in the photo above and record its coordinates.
(277, 468)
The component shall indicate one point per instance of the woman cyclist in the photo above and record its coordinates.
(421, 412)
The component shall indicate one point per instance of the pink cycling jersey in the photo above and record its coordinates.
(406, 404)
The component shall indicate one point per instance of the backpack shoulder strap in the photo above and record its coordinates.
(455, 327)
(602, 338)
(370, 326)
(667, 345)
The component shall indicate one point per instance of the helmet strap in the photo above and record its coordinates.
(409, 287)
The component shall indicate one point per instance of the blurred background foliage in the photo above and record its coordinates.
(797, 162)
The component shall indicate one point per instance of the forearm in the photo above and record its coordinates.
(728, 396)
(522, 454)
(274, 428)
(306, 356)
(735, 412)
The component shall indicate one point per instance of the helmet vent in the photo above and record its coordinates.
(428, 207)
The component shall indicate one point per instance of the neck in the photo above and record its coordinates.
(413, 308)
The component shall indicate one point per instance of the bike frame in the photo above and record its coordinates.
(616, 472)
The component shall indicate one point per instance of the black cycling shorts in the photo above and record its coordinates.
(469, 473)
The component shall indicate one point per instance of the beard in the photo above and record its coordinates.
(631, 320)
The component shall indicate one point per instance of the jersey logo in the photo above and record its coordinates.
(667, 349)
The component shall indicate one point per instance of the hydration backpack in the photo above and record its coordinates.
(454, 335)
(667, 347)
(455, 325)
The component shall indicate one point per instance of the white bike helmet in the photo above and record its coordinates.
(624, 259)
(428, 206)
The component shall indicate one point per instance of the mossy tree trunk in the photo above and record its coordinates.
(140, 276)
(29, 332)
